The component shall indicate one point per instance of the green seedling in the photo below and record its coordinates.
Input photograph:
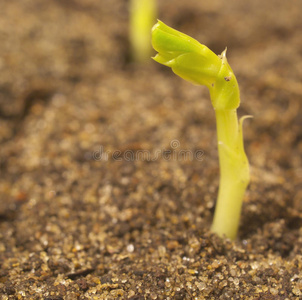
(142, 18)
(196, 63)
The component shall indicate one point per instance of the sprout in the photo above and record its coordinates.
(196, 63)
(142, 17)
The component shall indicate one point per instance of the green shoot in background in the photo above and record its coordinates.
(198, 64)
(142, 18)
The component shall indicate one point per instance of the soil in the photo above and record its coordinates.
(84, 216)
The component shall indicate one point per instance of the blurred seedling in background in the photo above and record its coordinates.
(142, 18)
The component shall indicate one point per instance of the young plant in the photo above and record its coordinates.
(142, 18)
(198, 64)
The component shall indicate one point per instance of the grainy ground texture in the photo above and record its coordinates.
(84, 216)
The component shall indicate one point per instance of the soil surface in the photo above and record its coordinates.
(92, 208)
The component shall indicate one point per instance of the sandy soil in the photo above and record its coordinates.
(78, 225)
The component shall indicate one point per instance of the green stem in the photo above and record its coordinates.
(234, 174)
(142, 17)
